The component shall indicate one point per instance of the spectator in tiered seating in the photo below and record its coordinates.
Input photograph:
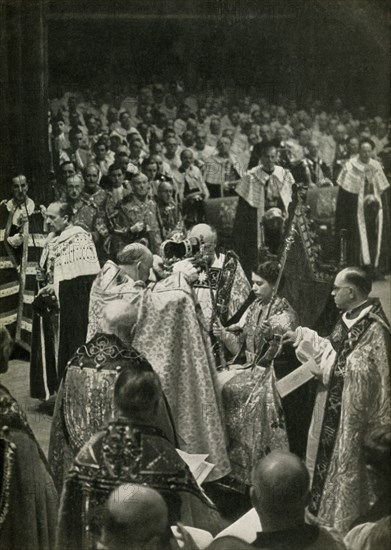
(200, 150)
(341, 153)
(137, 155)
(135, 218)
(76, 153)
(103, 156)
(312, 171)
(190, 179)
(214, 131)
(222, 170)
(84, 210)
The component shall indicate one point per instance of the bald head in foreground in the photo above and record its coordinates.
(280, 494)
(280, 489)
(136, 517)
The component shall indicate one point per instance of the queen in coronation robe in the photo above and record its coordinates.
(254, 415)
(363, 209)
(168, 333)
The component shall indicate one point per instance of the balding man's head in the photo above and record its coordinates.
(208, 236)
(358, 278)
(204, 232)
(136, 260)
(280, 485)
(119, 318)
(352, 286)
(135, 516)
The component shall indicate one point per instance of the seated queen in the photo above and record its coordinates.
(255, 419)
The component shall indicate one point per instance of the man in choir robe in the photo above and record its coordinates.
(353, 399)
(75, 267)
(85, 398)
(263, 187)
(182, 358)
(21, 241)
(363, 209)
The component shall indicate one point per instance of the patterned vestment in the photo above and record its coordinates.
(28, 498)
(169, 334)
(353, 400)
(122, 453)
(85, 399)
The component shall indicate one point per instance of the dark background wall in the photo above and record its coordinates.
(320, 48)
(290, 47)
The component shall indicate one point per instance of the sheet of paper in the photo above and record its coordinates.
(245, 528)
(295, 379)
(198, 465)
(203, 471)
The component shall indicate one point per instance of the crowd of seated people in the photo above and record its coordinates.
(166, 119)
(202, 145)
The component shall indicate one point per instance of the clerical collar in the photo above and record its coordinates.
(355, 312)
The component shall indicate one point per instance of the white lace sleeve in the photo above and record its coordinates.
(309, 345)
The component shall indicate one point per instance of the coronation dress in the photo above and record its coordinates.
(254, 415)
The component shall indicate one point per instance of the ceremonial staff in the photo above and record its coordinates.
(215, 305)
(27, 214)
(275, 344)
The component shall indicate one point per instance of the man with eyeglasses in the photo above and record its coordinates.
(353, 398)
